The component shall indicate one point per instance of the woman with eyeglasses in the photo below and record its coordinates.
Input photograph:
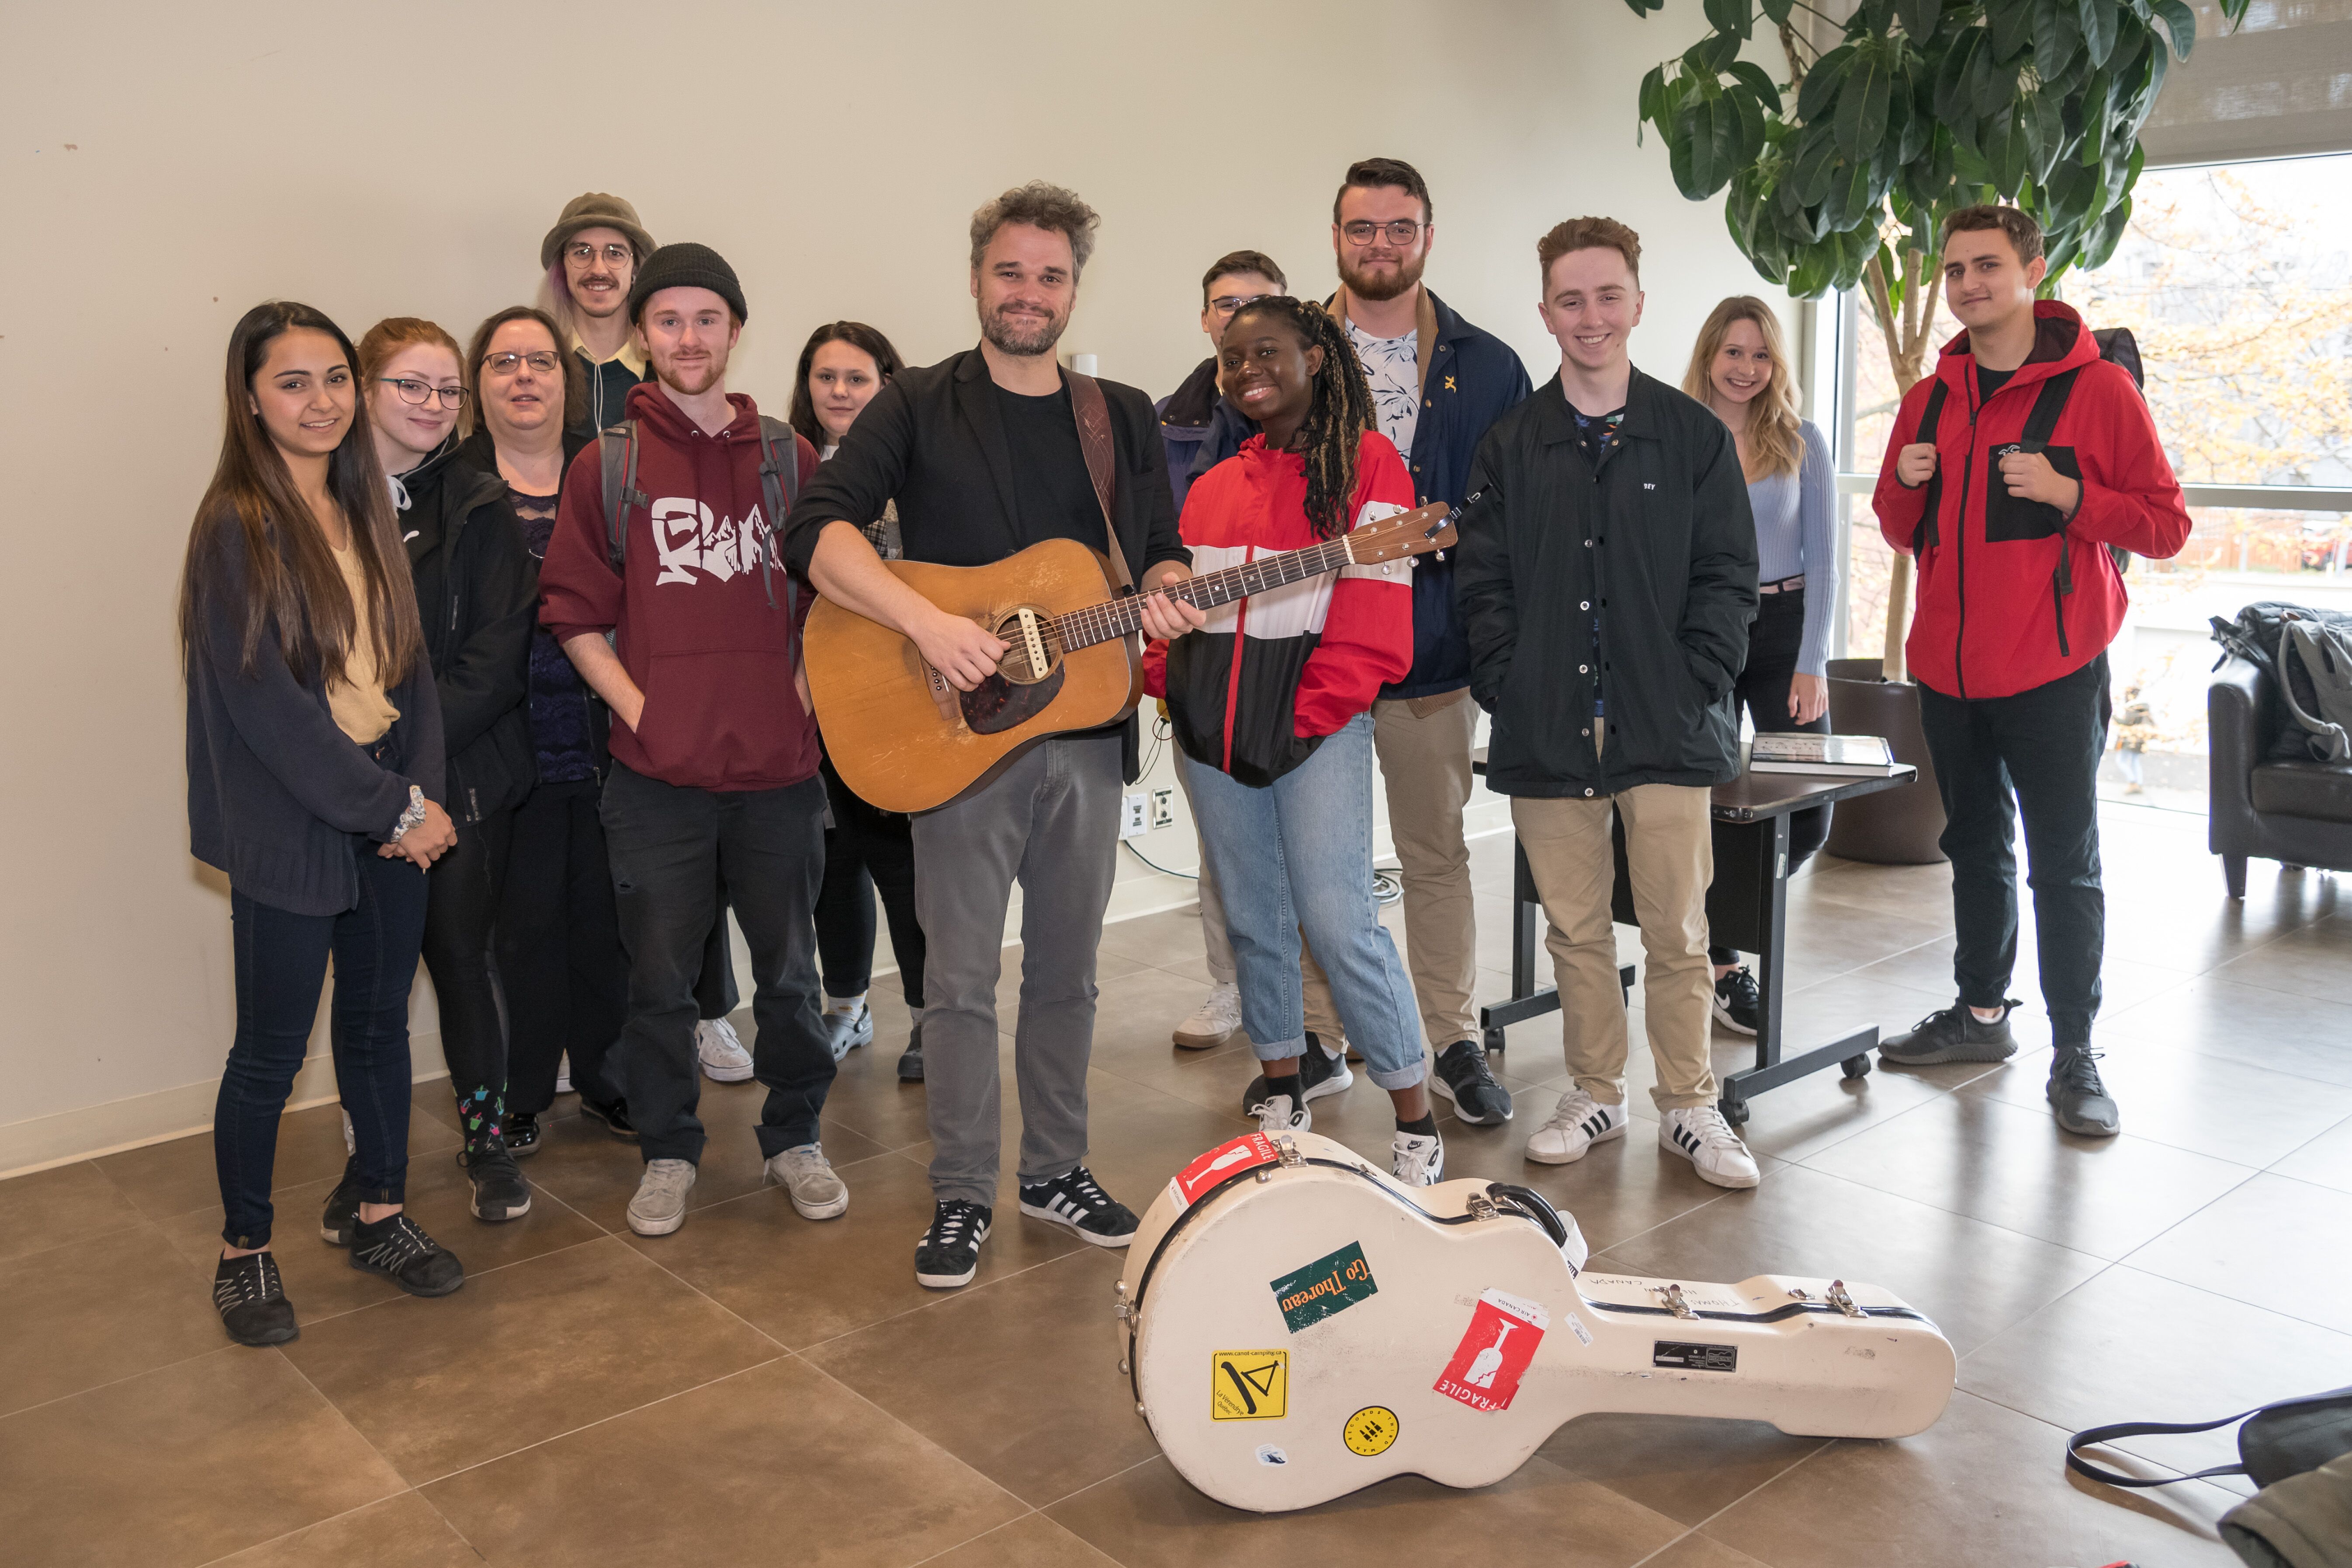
(477, 602)
(314, 760)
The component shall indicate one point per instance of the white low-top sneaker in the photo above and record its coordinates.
(808, 1176)
(659, 1206)
(1214, 1021)
(1417, 1159)
(720, 1050)
(1699, 1134)
(1577, 1123)
(1283, 1113)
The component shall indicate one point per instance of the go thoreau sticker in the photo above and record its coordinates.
(1331, 1284)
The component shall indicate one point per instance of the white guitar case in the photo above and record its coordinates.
(1300, 1324)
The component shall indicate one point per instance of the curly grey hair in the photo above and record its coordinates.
(1040, 205)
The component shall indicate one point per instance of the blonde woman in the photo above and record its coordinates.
(1739, 369)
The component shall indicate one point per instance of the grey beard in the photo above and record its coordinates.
(1384, 287)
(1005, 338)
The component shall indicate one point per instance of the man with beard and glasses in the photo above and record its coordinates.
(714, 769)
(1437, 383)
(983, 454)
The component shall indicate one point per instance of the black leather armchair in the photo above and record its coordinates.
(2296, 813)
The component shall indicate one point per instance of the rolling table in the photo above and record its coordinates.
(1747, 909)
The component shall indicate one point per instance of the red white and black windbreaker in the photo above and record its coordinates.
(1255, 692)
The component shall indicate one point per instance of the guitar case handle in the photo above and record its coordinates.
(1533, 1204)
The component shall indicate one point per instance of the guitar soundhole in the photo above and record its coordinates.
(1016, 665)
(999, 704)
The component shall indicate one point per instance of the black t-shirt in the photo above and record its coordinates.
(1991, 381)
(1053, 495)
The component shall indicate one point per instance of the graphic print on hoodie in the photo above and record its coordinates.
(703, 619)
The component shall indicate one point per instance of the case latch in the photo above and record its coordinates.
(1836, 1295)
(1673, 1296)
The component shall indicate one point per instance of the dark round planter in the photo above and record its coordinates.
(1894, 826)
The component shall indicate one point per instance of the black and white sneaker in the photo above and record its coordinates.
(343, 1210)
(1319, 1073)
(500, 1191)
(1464, 1078)
(1953, 1034)
(251, 1300)
(521, 1133)
(1739, 1005)
(1281, 1109)
(615, 1116)
(910, 1060)
(397, 1248)
(1074, 1200)
(949, 1253)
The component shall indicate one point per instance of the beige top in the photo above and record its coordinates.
(357, 701)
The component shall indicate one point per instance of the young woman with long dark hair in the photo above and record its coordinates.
(315, 758)
(477, 604)
(1271, 709)
(842, 366)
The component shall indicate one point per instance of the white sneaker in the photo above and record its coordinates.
(1417, 1159)
(1214, 1021)
(809, 1177)
(1576, 1124)
(1699, 1134)
(659, 1206)
(563, 1074)
(1283, 1112)
(724, 1059)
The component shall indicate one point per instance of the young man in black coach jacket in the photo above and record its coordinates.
(1607, 577)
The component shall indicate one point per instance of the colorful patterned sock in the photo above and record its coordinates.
(481, 1113)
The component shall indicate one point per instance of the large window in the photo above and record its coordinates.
(2236, 280)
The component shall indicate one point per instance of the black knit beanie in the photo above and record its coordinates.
(686, 267)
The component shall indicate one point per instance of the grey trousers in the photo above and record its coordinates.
(1050, 822)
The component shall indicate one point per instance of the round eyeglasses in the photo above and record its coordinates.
(420, 392)
(1403, 231)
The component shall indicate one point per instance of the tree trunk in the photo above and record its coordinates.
(1904, 332)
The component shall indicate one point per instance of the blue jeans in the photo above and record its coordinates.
(1298, 854)
(281, 962)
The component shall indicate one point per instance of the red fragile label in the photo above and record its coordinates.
(1247, 1153)
(1501, 1341)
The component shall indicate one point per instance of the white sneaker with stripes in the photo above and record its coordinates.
(1577, 1123)
(1699, 1134)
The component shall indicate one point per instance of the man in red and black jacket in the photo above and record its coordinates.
(2013, 474)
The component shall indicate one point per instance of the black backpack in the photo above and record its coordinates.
(780, 486)
(2283, 1439)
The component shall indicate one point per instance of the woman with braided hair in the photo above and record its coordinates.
(1271, 709)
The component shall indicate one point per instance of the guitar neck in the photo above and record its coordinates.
(1124, 617)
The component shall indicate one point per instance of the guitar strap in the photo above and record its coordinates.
(1093, 413)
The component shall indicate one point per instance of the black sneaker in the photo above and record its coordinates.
(522, 1132)
(343, 1210)
(500, 1191)
(2080, 1101)
(615, 1116)
(1319, 1073)
(910, 1060)
(252, 1301)
(1739, 1006)
(1954, 1034)
(397, 1248)
(1075, 1200)
(949, 1253)
(1463, 1077)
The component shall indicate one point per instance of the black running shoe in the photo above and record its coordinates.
(1954, 1034)
(521, 1133)
(252, 1301)
(343, 1210)
(1075, 1200)
(949, 1253)
(615, 1116)
(500, 1191)
(1464, 1078)
(397, 1248)
(1319, 1073)
(2077, 1096)
(1739, 1006)
(910, 1060)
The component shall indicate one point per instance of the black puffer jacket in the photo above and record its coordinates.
(475, 599)
(1659, 543)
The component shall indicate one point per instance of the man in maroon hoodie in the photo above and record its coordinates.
(2013, 473)
(714, 751)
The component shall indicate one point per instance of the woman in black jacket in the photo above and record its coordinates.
(314, 753)
(474, 598)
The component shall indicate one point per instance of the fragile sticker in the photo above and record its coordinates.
(1503, 1332)
(1371, 1430)
(1243, 1153)
(1249, 1385)
(1332, 1283)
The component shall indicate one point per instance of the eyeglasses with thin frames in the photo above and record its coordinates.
(539, 360)
(418, 391)
(1224, 306)
(1402, 231)
(615, 255)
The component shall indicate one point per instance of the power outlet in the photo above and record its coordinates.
(1134, 821)
(1163, 809)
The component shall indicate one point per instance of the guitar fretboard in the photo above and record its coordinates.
(1124, 617)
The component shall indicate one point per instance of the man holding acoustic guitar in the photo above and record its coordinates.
(998, 456)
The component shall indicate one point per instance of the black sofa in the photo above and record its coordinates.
(2296, 813)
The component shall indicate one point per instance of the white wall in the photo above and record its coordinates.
(166, 166)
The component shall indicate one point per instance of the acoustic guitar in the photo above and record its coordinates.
(906, 740)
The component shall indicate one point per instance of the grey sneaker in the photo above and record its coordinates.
(1953, 1035)
(659, 1206)
(2078, 1097)
(806, 1174)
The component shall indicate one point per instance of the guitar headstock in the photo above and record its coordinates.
(1417, 532)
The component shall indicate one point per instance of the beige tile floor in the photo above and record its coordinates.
(756, 1389)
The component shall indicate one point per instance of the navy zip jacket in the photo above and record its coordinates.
(1469, 378)
(278, 797)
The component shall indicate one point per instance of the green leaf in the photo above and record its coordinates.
(1919, 17)
(2181, 23)
(1816, 161)
(1822, 82)
(1850, 197)
(2057, 34)
(1644, 7)
(2009, 25)
(1860, 123)
(2045, 128)
(1653, 95)
(1775, 11)
(1749, 125)
(1953, 75)
(2071, 191)
(1909, 125)
(1710, 54)
(1758, 82)
(2100, 243)
(1735, 17)
(2099, 18)
(1691, 154)
(1992, 87)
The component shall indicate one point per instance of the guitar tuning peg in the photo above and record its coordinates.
(1441, 555)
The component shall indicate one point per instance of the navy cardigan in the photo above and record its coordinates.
(278, 797)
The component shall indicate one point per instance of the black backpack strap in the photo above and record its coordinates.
(2092, 1436)
(616, 449)
(779, 489)
(1931, 417)
(2040, 423)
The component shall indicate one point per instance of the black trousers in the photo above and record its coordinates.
(559, 955)
(461, 909)
(1773, 642)
(2035, 754)
(866, 850)
(669, 845)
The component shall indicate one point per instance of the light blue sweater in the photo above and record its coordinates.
(1796, 518)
